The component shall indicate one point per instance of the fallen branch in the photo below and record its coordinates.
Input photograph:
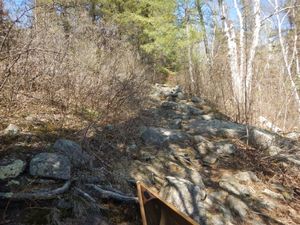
(113, 195)
(41, 194)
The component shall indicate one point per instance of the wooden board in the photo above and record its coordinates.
(155, 211)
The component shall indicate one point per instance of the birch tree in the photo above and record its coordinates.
(241, 60)
(187, 12)
(289, 53)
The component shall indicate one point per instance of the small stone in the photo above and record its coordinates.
(194, 111)
(267, 203)
(50, 165)
(34, 120)
(294, 135)
(195, 99)
(274, 150)
(218, 195)
(195, 178)
(225, 148)
(272, 194)
(169, 105)
(238, 206)
(246, 177)
(208, 116)
(12, 183)
(131, 148)
(180, 95)
(210, 159)
(146, 156)
(176, 124)
(199, 139)
(202, 148)
(12, 130)
(11, 169)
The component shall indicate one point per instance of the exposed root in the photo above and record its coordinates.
(113, 195)
(41, 194)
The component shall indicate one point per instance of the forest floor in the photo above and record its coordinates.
(174, 136)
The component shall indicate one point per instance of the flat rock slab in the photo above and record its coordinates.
(215, 127)
(50, 165)
(185, 196)
(73, 152)
(11, 169)
(240, 183)
(160, 136)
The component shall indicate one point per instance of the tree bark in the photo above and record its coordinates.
(189, 49)
(201, 18)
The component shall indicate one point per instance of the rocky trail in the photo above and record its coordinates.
(214, 170)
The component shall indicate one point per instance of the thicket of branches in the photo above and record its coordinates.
(60, 56)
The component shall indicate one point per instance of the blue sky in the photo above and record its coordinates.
(15, 7)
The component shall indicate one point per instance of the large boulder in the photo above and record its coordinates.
(11, 168)
(261, 138)
(74, 152)
(159, 136)
(185, 196)
(50, 165)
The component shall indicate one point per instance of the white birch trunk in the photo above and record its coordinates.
(190, 58)
(237, 81)
(252, 51)
(285, 55)
(241, 41)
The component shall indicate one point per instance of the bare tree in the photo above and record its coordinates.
(290, 57)
(241, 63)
(189, 47)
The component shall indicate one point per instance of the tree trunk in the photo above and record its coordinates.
(285, 55)
(201, 18)
(252, 51)
(189, 49)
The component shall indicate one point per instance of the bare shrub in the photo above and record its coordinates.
(77, 65)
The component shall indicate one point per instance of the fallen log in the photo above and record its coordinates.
(36, 195)
(113, 195)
